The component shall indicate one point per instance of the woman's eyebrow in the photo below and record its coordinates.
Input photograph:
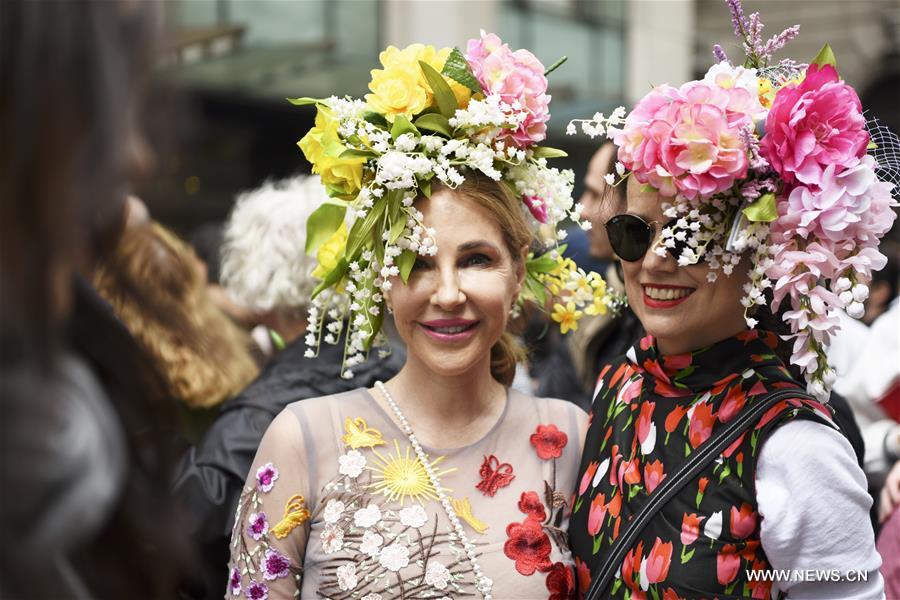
(475, 244)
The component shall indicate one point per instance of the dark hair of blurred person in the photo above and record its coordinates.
(85, 512)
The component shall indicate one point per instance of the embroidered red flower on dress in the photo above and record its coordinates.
(530, 504)
(529, 546)
(549, 441)
(494, 475)
(561, 582)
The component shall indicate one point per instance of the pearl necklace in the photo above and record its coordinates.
(482, 583)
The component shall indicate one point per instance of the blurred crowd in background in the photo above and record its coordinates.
(153, 280)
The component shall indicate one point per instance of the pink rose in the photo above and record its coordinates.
(813, 124)
(518, 78)
(687, 141)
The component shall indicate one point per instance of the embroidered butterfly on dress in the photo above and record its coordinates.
(494, 475)
(360, 435)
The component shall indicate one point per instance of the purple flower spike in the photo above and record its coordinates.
(234, 582)
(720, 54)
(779, 41)
(266, 476)
(737, 17)
(257, 525)
(257, 591)
(276, 565)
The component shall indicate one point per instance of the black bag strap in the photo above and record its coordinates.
(670, 486)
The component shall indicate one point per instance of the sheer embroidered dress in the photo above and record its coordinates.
(337, 505)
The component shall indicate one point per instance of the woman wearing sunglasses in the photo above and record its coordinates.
(713, 465)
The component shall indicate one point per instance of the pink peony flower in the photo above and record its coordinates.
(687, 141)
(518, 78)
(812, 125)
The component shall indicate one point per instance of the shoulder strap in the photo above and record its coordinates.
(670, 486)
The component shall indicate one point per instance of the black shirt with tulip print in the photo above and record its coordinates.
(650, 413)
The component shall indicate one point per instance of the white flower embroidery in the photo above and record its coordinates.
(332, 538)
(333, 511)
(394, 557)
(413, 516)
(368, 516)
(352, 463)
(371, 543)
(437, 575)
(346, 576)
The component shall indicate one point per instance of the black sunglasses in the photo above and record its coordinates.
(631, 236)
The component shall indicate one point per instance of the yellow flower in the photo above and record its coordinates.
(401, 88)
(766, 92)
(567, 316)
(322, 147)
(330, 252)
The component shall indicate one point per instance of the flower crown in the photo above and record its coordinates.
(775, 161)
(433, 115)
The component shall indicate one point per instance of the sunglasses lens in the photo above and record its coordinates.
(629, 236)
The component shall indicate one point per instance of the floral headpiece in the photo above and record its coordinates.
(433, 115)
(776, 161)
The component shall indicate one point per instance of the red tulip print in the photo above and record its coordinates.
(690, 528)
(658, 561)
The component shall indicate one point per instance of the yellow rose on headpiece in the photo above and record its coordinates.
(323, 148)
(401, 88)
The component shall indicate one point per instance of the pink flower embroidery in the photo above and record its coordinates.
(266, 476)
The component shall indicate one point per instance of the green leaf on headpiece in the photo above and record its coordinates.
(556, 65)
(362, 228)
(762, 210)
(872, 146)
(405, 263)
(376, 323)
(545, 263)
(825, 57)
(535, 289)
(401, 126)
(322, 224)
(334, 276)
(457, 68)
(303, 101)
(376, 119)
(648, 189)
(354, 153)
(443, 95)
(435, 122)
(425, 187)
(548, 152)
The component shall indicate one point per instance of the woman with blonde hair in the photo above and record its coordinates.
(442, 481)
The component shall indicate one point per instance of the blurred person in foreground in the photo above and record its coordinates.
(85, 510)
(157, 287)
(267, 274)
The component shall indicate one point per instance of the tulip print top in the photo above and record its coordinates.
(650, 413)
(337, 505)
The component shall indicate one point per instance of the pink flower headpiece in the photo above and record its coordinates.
(776, 161)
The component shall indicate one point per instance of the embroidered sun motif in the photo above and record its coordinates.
(360, 435)
(400, 476)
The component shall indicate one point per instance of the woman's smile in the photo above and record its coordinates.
(659, 295)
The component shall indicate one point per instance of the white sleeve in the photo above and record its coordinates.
(814, 511)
